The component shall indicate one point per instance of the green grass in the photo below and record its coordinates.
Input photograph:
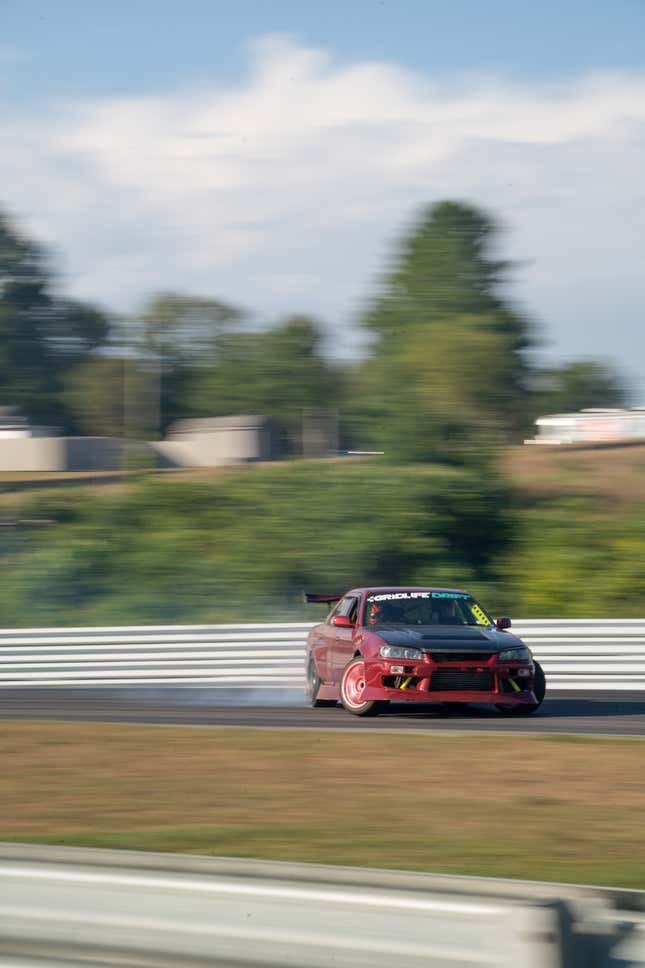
(544, 808)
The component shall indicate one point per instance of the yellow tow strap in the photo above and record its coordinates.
(406, 683)
(514, 684)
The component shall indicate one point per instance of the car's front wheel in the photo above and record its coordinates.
(312, 686)
(539, 689)
(352, 687)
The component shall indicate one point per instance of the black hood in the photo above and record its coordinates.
(447, 638)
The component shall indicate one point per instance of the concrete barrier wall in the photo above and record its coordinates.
(227, 446)
(32, 454)
(40, 454)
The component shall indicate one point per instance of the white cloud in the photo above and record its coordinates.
(287, 192)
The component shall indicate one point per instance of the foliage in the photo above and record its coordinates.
(99, 394)
(446, 383)
(242, 545)
(577, 386)
(196, 359)
(42, 336)
(576, 558)
(280, 373)
(171, 338)
(246, 544)
(180, 327)
(447, 370)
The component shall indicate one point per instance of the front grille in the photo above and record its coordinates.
(460, 656)
(457, 680)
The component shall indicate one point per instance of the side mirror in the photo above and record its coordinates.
(503, 622)
(342, 622)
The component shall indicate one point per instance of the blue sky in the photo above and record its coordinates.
(271, 153)
(144, 46)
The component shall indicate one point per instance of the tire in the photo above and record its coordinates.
(313, 685)
(539, 688)
(352, 684)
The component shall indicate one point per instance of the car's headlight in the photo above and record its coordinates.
(399, 652)
(521, 654)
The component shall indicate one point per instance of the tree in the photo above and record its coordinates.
(579, 385)
(42, 336)
(173, 335)
(447, 371)
(103, 395)
(280, 373)
(181, 328)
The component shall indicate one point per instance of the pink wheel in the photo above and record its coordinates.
(352, 690)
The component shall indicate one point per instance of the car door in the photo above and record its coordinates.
(321, 641)
(342, 639)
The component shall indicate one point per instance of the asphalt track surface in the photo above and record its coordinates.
(599, 713)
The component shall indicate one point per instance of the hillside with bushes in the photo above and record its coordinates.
(242, 545)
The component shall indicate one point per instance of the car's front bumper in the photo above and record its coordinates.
(486, 682)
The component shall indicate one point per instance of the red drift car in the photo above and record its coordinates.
(379, 645)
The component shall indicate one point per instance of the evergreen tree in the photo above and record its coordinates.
(447, 376)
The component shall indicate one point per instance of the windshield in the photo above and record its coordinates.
(424, 608)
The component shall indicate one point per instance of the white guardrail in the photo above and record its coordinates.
(584, 654)
(74, 906)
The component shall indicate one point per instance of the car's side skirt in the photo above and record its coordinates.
(328, 691)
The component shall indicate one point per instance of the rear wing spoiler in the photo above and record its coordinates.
(314, 598)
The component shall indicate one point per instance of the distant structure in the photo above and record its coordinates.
(25, 447)
(218, 441)
(211, 442)
(591, 427)
(15, 425)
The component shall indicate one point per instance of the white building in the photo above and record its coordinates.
(594, 426)
(217, 441)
